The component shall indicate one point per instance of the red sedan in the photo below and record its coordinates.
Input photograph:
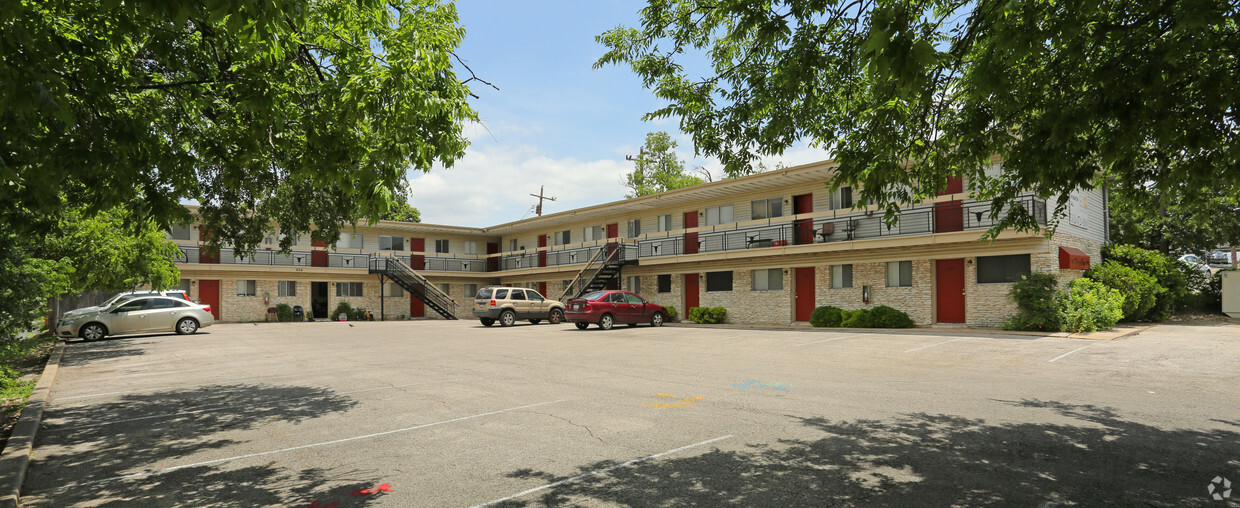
(607, 308)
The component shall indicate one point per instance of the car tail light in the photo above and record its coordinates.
(492, 303)
(589, 308)
(206, 308)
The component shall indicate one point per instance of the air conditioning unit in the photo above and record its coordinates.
(1231, 293)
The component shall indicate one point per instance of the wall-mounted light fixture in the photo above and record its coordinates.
(969, 262)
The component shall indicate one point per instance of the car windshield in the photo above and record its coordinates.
(594, 297)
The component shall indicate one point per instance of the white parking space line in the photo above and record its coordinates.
(932, 345)
(294, 448)
(600, 471)
(248, 404)
(1052, 360)
(227, 381)
(831, 340)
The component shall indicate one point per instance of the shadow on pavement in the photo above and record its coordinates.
(929, 460)
(150, 431)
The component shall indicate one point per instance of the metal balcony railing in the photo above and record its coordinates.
(449, 263)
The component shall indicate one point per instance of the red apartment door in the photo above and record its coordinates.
(805, 293)
(492, 261)
(949, 216)
(416, 307)
(804, 228)
(208, 253)
(949, 290)
(542, 254)
(542, 289)
(613, 230)
(209, 294)
(318, 256)
(417, 261)
(691, 292)
(691, 239)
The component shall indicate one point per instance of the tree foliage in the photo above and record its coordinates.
(657, 168)
(1180, 223)
(402, 211)
(290, 112)
(909, 93)
(75, 252)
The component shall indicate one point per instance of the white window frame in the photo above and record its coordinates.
(471, 247)
(286, 288)
(768, 208)
(471, 290)
(247, 287)
(763, 277)
(177, 228)
(392, 290)
(390, 243)
(633, 283)
(635, 228)
(895, 271)
(837, 276)
(591, 233)
(442, 246)
(723, 214)
(665, 222)
(341, 292)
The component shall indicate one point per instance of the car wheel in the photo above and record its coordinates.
(486, 322)
(535, 321)
(555, 317)
(606, 321)
(93, 331)
(582, 326)
(187, 326)
(657, 319)
(507, 318)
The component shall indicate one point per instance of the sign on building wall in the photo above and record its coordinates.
(1078, 207)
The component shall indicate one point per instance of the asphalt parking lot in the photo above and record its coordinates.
(433, 413)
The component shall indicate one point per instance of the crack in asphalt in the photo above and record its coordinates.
(574, 424)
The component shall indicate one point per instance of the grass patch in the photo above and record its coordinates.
(21, 362)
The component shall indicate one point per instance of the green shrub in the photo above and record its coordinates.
(1165, 270)
(826, 316)
(1090, 306)
(358, 314)
(1140, 289)
(671, 313)
(1210, 298)
(1038, 303)
(284, 312)
(708, 314)
(888, 317)
(341, 308)
(859, 318)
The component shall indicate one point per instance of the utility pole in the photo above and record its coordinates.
(541, 197)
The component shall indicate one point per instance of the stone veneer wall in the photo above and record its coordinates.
(746, 305)
(916, 300)
(675, 298)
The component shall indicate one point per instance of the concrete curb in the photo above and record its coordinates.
(16, 455)
(925, 330)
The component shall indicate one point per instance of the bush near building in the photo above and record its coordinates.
(671, 313)
(284, 312)
(1090, 306)
(709, 315)
(1140, 289)
(889, 317)
(1167, 271)
(859, 318)
(1037, 301)
(827, 316)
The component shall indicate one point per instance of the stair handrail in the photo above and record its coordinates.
(602, 258)
(428, 290)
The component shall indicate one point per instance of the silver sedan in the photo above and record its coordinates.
(135, 315)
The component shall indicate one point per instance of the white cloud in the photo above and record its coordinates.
(491, 185)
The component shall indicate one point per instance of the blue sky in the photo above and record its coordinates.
(554, 121)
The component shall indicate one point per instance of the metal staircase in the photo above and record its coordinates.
(413, 282)
(602, 268)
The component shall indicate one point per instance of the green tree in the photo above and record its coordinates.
(1177, 225)
(909, 93)
(293, 112)
(402, 211)
(657, 168)
(77, 252)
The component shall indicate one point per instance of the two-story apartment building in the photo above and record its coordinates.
(768, 247)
